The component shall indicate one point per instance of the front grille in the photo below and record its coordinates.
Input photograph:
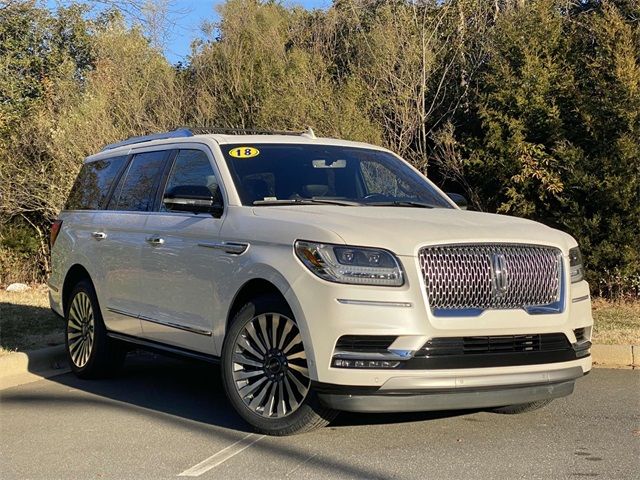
(454, 346)
(365, 343)
(490, 276)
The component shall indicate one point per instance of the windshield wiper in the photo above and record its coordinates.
(401, 203)
(307, 201)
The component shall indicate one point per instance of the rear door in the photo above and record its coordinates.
(119, 238)
(181, 262)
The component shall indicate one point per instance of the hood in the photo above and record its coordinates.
(404, 230)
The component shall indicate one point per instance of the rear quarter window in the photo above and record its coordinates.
(91, 188)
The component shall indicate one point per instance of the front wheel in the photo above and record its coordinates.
(265, 370)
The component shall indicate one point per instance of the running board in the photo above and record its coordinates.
(163, 348)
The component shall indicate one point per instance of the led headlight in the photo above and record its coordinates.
(575, 265)
(345, 264)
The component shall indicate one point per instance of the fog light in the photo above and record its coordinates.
(344, 363)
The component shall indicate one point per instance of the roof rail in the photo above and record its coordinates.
(252, 131)
(181, 132)
(191, 131)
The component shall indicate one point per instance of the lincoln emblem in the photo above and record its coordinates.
(500, 274)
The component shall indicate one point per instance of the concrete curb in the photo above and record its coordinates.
(25, 367)
(616, 356)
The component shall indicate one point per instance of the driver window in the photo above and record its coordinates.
(191, 167)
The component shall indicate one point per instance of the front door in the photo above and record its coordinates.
(179, 265)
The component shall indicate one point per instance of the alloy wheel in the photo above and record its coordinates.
(80, 329)
(270, 370)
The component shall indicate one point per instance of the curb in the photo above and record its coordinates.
(616, 356)
(25, 367)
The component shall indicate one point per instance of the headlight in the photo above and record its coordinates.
(575, 265)
(344, 264)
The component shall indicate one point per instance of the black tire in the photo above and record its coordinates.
(102, 356)
(521, 408)
(308, 414)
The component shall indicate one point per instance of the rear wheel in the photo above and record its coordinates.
(265, 370)
(90, 352)
(521, 408)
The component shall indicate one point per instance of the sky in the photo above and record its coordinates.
(192, 14)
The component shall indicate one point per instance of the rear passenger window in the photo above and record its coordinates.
(191, 167)
(94, 181)
(137, 188)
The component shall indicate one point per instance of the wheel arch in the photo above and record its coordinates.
(259, 286)
(249, 290)
(75, 274)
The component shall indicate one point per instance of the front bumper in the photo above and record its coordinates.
(325, 312)
(426, 394)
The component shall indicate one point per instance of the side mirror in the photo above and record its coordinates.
(195, 199)
(459, 200)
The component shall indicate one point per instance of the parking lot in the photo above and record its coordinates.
(162, 418)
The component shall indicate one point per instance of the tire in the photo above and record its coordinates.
(264, 370)
(90, 352)
(521, 408)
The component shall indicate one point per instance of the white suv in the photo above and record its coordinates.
(322, 275)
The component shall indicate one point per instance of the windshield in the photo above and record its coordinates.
(271, 174)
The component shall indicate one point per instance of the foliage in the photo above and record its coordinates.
(530, 107)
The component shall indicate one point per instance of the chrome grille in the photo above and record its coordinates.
(464, 276)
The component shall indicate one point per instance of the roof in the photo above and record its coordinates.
(185, 135)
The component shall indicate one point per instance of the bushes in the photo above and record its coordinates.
(530, 107)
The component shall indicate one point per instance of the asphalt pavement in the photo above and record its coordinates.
(161, 418)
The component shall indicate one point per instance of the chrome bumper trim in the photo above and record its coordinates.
(372, 303)
(481, 381)
(580, 299)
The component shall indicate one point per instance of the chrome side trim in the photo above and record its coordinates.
(198, 331)
(122, 312)
(580, 299)
(372, 303)
(51, 287)
(234, 248)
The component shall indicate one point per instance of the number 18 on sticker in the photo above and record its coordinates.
(244, 152)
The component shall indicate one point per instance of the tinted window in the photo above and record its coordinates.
(276, 172)
(137, 187)
(191, 167)
(92, 186)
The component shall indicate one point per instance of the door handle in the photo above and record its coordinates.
(155, 240)
(99, 235)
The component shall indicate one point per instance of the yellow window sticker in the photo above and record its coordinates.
(244, 152)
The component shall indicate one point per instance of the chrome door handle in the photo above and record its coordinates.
(99, 235)
(155, 240)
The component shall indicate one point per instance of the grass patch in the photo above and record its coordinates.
(27, 322)
(616, 323)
